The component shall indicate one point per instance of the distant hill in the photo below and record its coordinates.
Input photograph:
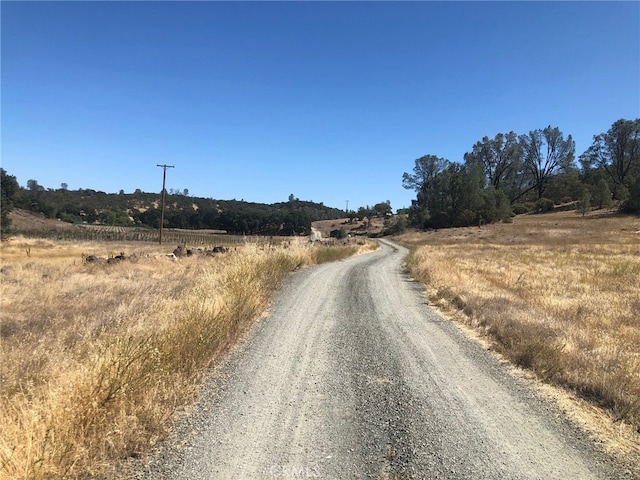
(86, 206)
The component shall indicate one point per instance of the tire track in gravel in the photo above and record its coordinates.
(351, 375)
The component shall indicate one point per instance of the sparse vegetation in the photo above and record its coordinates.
(558, 294)
(98, 357)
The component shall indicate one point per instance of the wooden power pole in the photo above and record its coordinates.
(164, 181)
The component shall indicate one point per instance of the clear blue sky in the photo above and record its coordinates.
(328, 101)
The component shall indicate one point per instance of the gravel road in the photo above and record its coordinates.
(351, 375)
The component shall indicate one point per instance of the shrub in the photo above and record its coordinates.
(69, 217)
(545, 205)
(520, 208)
(397, 227)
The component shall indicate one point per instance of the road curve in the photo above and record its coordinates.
(352, 375)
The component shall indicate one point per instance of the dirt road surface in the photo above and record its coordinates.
(351, 375)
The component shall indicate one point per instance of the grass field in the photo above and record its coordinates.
(558, 294)
(97, 358)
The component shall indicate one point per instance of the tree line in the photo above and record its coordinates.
(292, 217)
(511, 173)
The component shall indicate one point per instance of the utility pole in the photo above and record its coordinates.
(164, 181)
(347, 207)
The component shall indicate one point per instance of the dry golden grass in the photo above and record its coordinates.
(558, 294)
(97, 358)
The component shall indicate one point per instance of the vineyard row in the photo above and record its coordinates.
(124, 234)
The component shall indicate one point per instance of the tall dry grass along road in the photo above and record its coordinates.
(351, 375)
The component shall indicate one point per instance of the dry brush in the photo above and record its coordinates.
(556, 294)
(98, 358)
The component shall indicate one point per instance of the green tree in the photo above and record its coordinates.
(292, 202)
(114, 217)
(150, 217)
(425, 181)
(602, 196)
(296, 223)
(584, 204)
(382, 209)
(495, 206)
(500, 159)
(632, 203)
(565, 186)
(33, 186)
(425, 170)
(8, 189)
(451, 194)
(617, 152)
(546, 152)
(364, 212)
(396, 225)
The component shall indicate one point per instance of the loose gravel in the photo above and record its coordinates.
(352, 376)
